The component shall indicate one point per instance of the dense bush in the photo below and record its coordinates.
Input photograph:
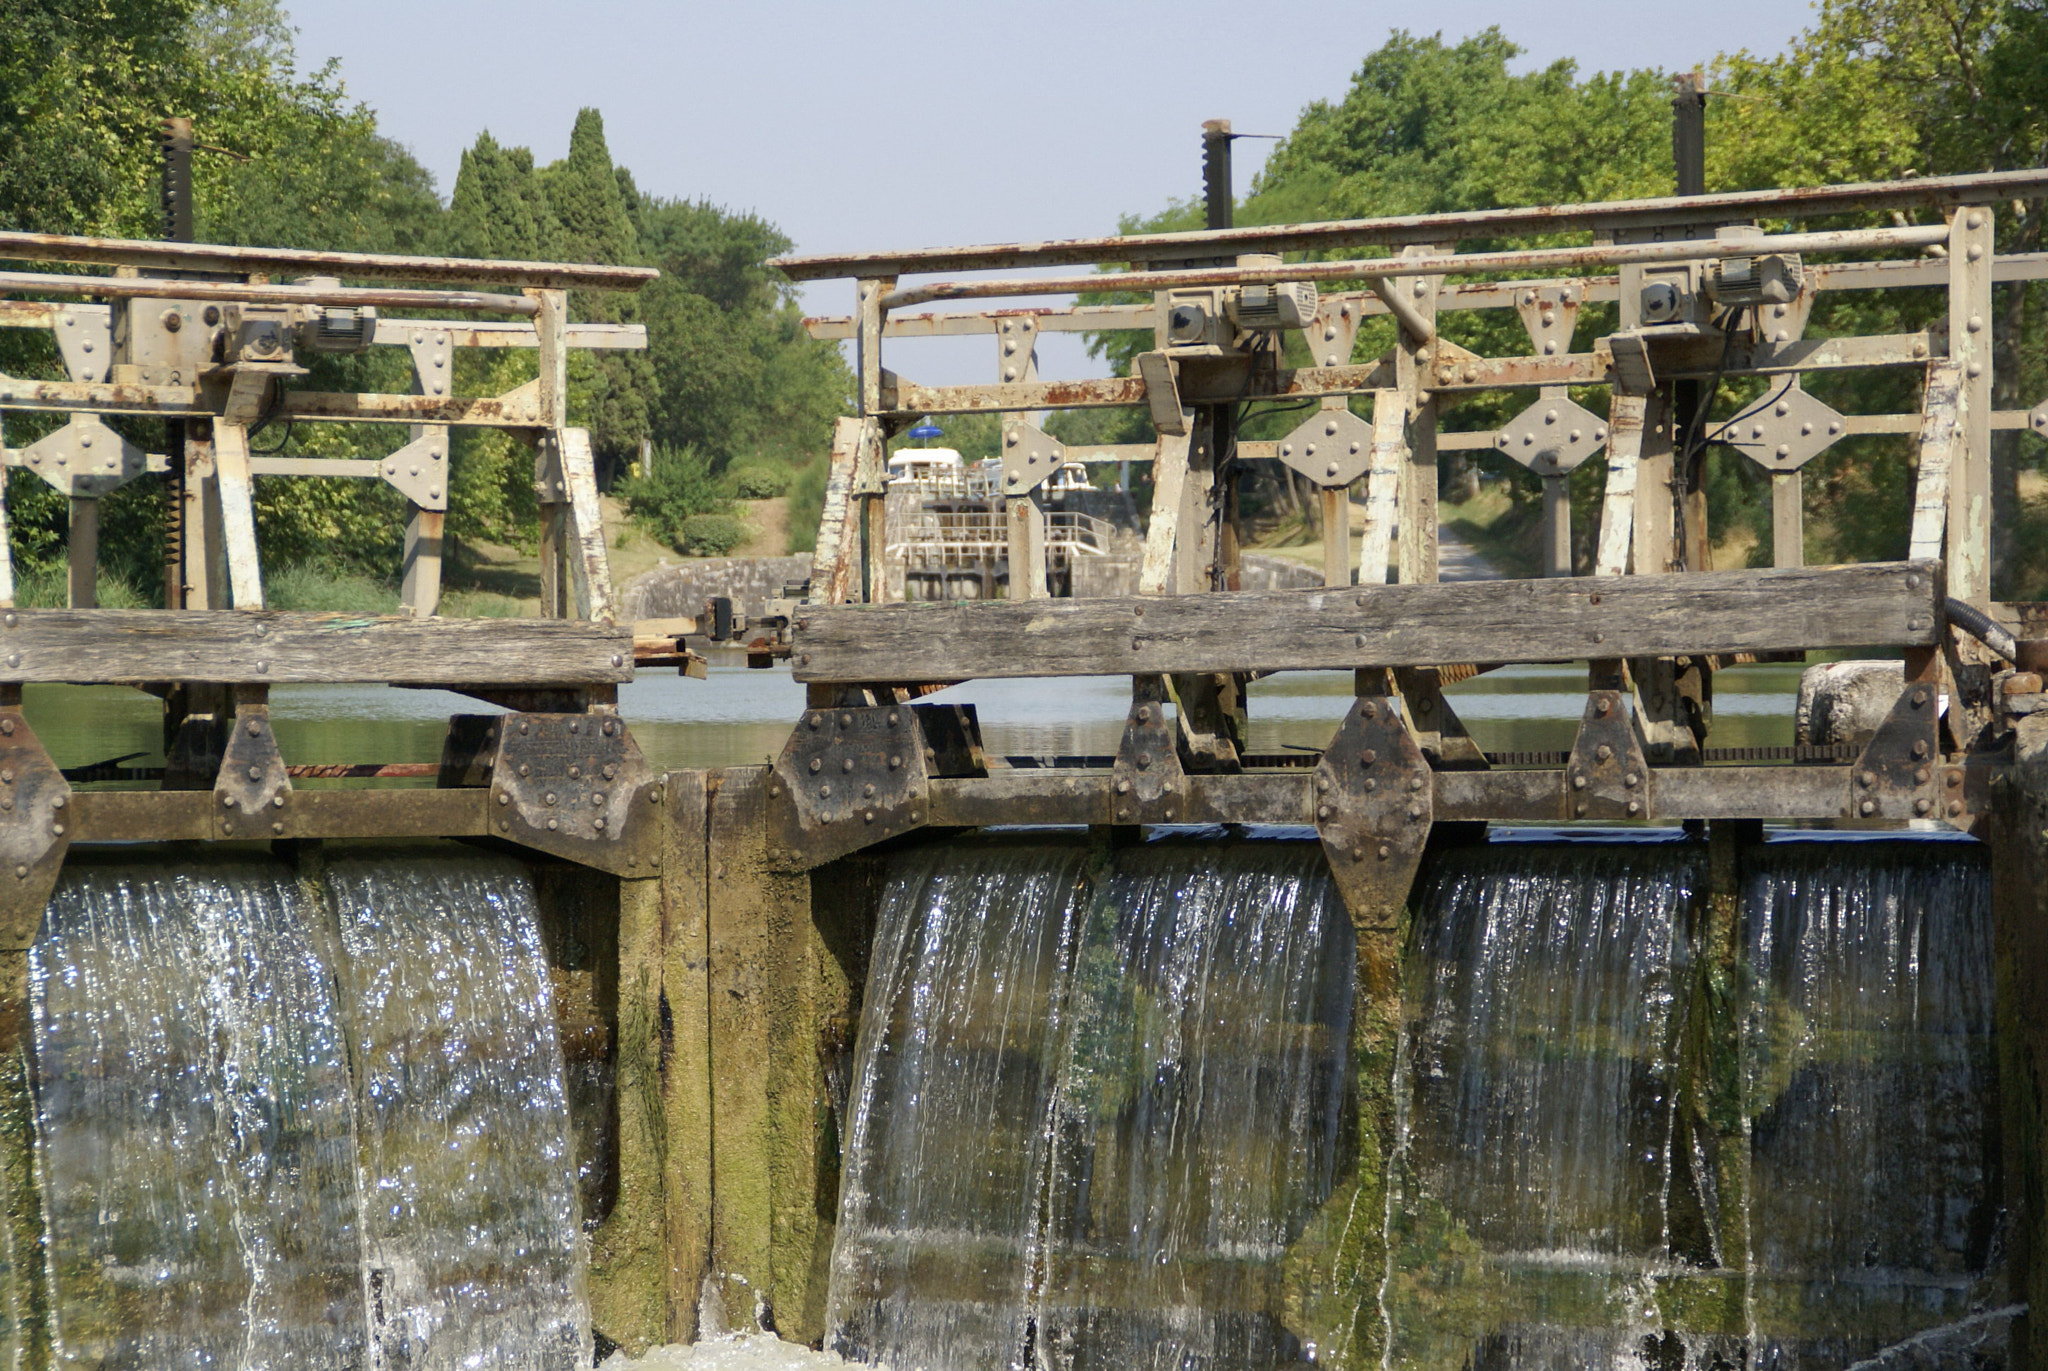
(760, 480)
(679, 486)
(712, 535)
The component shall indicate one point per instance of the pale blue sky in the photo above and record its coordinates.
(857, 126)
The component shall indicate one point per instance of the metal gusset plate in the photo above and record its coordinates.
(1607, 776)
(1374, 796)
(575, 786)
(1147, 784)
(252, 794)
(1030, 457)
(846, 779)
(84, 457)
(1784, 431)
(1900, 773)
(1552, 436)
(1333, 447)
(34, 829)
(1551, 313)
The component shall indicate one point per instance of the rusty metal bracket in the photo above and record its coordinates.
(35, 826)
(253, 792)
(1162, 392)
(1374, 801)
(1607, 775)
(1900, 774)
(1030, 457)
(1551, 314)
(1332, 447)
(1148, 785)
(952, 740)
(846, 779)
(572, 785)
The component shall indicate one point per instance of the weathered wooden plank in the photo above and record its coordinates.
(1940, 435)
(237, 488)
(1970, 348)
(590, 573)
(103, 645)
(1162, 531)
(1383, 484)
(419, 583)
(835, 558)
(1624, 455)
(1501, 621)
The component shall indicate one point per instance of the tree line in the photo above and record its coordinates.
(730, 395)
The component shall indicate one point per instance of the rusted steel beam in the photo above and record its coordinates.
(514, 410)
(1563, 619)
(1933, 192)
(1079, 319)
(492, 334)
(130, 816)
(1053, 796)
(151, 255)
(392, 297)
(1427, 264)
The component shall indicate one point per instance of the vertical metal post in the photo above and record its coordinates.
(869, 487)
(1218, 197)
(175, 139)
(1689, 157)
(1788, 519)
(1969, 347)
(1557, 526)
(82, 552)
(1418, 529)
(1689, 131)
(205, 562)
(1017, 360)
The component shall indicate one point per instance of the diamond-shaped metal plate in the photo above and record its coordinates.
(85, 457)
(1030, 456)
(1552, 436)
(1333, 448)
(1785, 431)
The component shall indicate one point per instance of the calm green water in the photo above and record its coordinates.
(738, 717)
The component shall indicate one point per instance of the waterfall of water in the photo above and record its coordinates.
(196, 1152)
(1090, 1113)
(1868, 1083)
(1540, 1103)
(261, 1145)
(940, 1197)
(475, 1256)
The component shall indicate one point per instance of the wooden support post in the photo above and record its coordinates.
(1156, 575)
(1418, 516)
(1383, 484)
(589, 569)
(1197, 546)
(419, 586)
(1940, 437)
(1969, 347)
(1557, 526)
(235, 488)
(2019, 895)
(205, 567)
(835, 563)
(1788, 519)
(770, 1245)
(82, 552)
(1656, 506)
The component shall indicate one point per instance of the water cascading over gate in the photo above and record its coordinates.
(308, 1124)
(1644, 1117)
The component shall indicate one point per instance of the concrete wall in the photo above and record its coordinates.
(680, 589)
